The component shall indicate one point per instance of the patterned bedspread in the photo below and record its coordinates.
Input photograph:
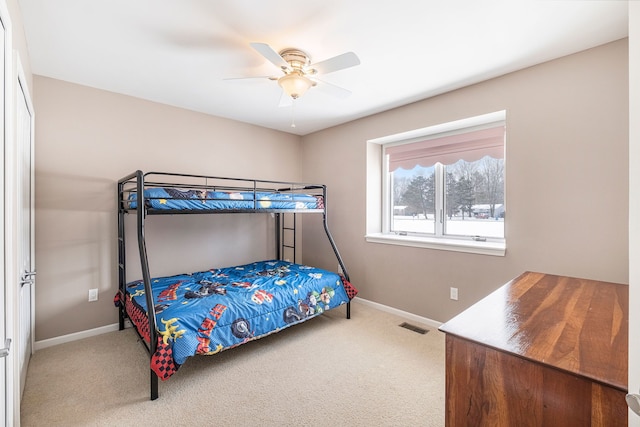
(210, 311)
(173, 198)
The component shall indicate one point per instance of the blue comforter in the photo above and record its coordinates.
(210, 311)
(173, 198)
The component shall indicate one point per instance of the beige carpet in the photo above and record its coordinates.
(328, 371)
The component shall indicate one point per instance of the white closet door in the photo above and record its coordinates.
(4, 344)
(26, 285)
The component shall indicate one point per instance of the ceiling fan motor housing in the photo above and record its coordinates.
(297, 60)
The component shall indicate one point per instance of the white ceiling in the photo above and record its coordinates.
(179, 52)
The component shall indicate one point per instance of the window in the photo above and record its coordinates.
(444, 185)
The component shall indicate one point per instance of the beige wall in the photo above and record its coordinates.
(86, 139)
(566, 195)
(567, 156)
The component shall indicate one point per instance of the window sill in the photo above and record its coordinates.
(455, 245)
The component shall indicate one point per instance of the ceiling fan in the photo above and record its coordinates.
(300, 74)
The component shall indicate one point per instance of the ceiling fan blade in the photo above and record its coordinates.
(268, 52)
(251, 77)
(331, 89)
(336, 63)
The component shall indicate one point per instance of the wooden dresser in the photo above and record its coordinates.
(542, 350)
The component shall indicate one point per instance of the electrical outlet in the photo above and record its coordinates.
(453, 294)
(93, 295)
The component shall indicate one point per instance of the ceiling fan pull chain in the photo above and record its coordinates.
(293, 113)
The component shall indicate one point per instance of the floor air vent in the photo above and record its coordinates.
(413, 328)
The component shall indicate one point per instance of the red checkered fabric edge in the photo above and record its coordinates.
(138, 316)
(117, 299)
(349, 288)
(162, 362)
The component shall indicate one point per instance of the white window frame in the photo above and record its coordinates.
(496, 247)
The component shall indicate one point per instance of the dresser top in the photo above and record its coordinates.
(576, 325)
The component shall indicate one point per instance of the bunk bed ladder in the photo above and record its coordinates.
(285, 236)
(291, 242)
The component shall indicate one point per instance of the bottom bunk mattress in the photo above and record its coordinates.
(214, 310)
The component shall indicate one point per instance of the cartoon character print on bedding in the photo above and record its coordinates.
(241, 328)
(206, 327)
(170, 330)
(314, 303)
(247, 297)
(186, 194)
(169, 294)
(207, 288)
(159, 308)
(280, 271)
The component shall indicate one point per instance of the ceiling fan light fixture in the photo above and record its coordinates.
(295, 84)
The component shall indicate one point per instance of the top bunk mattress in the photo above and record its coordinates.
(168, 198)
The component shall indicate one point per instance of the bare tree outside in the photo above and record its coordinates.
(493, 173)
(400, 184)
(463, 180)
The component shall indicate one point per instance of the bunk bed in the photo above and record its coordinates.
(210, 311)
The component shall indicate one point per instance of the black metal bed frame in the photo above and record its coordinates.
(136, 182)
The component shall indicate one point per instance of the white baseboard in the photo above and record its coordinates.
(39, 345)
(400, 313)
